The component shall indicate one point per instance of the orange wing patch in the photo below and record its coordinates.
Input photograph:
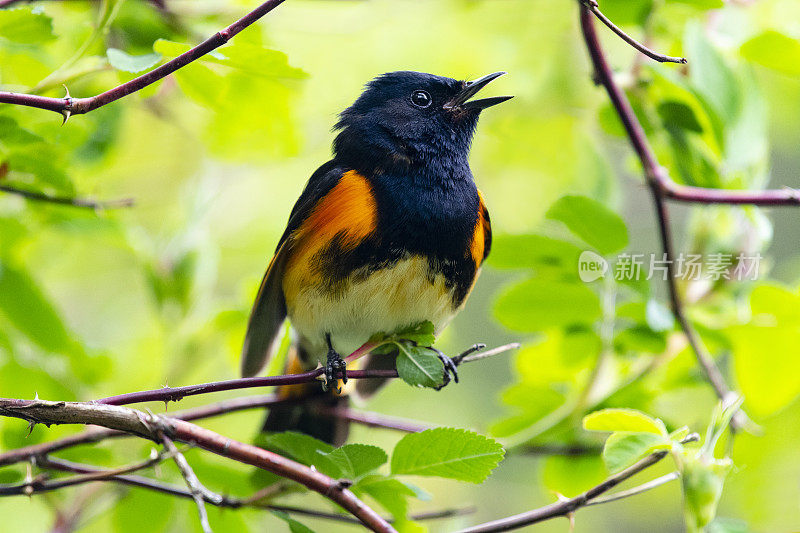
(348, 210)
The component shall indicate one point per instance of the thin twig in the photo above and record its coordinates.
(228, 501)
(566, 507)
(644, 487)
(46, 485)
(593, 6)
(655, 177)
(71, 202)
(198, 491)
(68, 106)
(375, 420)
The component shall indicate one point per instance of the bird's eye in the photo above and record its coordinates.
(421, 98)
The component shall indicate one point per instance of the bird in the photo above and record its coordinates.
(389, 233)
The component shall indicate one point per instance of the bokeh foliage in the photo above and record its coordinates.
(93, 304)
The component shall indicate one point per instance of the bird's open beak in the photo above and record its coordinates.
(471, 89)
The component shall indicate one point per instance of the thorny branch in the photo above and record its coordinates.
(172, 394)
(116, 421)
(68, 106)
(153, 428)
(222, 500)
(658, 182)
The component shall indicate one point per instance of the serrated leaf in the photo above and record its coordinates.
(123, 61)
(355, 460)
(538, 304)
(304, 449)
(294, 525)
(447, 452)
(23, 25)
(419, 366)
(592, 221)
(622, 449)
(622, 420)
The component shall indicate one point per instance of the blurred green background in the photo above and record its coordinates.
(95, 304)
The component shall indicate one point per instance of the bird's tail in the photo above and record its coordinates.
(311, 413)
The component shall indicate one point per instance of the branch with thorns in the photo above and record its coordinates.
(114, 420)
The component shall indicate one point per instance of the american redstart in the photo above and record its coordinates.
(389, 233)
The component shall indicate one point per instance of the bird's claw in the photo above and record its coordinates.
(450, 368)
(335, 369)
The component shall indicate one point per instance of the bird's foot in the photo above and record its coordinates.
(335, 369)
(450, 369)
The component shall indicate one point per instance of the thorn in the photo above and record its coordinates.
(31, 425)
(36, 396)
(67, 112)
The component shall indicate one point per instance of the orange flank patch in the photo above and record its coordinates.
(479, 236)
(348, 211)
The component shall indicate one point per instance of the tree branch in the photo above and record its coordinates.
(568, 506)
(227, 501)
(72, 202)
(593, 6)
(199, 493)
(151, 427)
(655, 178)
(172, 394)
(68, 106)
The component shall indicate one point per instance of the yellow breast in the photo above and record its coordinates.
(384, 300)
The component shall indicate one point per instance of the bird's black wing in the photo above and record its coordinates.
(269, 310)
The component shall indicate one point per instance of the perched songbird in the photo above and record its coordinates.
(389, 233)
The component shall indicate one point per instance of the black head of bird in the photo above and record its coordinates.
(411, 119)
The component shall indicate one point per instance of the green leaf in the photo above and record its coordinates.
(355, 460)
(700, 4)
(391, 494)
(28, 309)
(677, 114)
(711, 76)
(122, 61)
(447, 452)
(774, 50)
(622, 420)
(246, 57)
(539, 304)
(627, 11)
(12, 133)
(592, 221)
(528, 251)
(419, 366)
(294, 525)
(304, 449)
(24, 25)
(702, 482)
(421, 333)
(773, 330)
(622, 449)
